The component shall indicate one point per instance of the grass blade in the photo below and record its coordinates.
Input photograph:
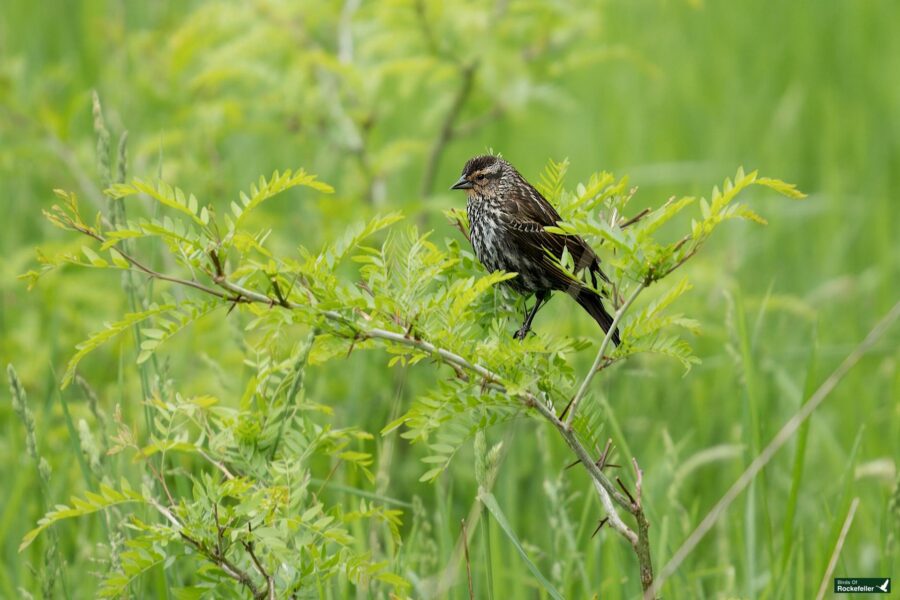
(488, 500)
(799, 457)
(73, 436)
(781, 438)
(832, 563)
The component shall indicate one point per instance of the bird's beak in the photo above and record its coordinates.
(462, 184)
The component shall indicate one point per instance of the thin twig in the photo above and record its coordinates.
(579, 395)
(155, 274)
(220, 466)
(219, 529)
(780, 439)
(164, 512)
(270, 583)
(634, 219)
(681, 261)
(215, 557)
(157, 474)
(458, 224)
(223, 563)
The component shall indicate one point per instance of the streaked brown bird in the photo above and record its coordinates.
(507, 220)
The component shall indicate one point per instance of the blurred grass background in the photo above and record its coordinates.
(674, 94)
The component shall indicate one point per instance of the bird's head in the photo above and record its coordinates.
(483, 175)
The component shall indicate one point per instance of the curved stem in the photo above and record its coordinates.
(582, 390)
(147, 270)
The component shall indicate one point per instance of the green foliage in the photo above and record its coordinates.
(636, 256)
(139, 559)
(385, 101)
(91, 503)
(417, 299)
(111, 331)
(176, 320)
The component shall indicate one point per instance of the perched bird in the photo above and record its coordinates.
(507, 217)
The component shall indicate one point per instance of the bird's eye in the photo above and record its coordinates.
(480, 177)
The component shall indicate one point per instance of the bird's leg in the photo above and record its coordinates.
(540, 299)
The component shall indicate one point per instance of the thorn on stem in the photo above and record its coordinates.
(460, 373)
(600, 525)
(604, 456)
(217, 264)
(282, 300)
(562, 415)
(601, 461)
(356, 338)
(627, 493)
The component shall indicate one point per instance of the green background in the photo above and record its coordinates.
(676, 95)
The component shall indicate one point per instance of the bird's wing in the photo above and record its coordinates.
(532, 205)
(528, 214)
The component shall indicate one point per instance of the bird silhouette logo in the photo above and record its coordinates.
(885, 587)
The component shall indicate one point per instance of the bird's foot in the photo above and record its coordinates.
(522, 332)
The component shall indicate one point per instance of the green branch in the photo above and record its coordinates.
(598, 360)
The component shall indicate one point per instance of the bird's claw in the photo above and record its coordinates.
(521, 333)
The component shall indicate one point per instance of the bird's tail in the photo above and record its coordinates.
(592, 303)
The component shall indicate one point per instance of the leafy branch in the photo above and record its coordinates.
(393, 307)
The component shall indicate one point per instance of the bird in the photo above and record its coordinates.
(507, 228)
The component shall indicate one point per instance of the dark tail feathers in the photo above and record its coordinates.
(592, 303)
